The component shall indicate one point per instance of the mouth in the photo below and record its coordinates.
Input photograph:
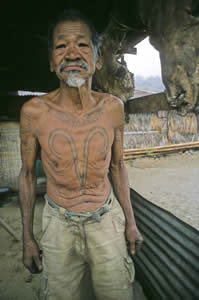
(72, 67)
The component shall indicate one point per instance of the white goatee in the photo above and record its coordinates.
(73, 80)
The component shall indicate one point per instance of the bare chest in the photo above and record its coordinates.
(67, 138)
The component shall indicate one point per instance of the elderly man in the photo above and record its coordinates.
(80, 133)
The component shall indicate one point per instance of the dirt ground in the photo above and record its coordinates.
(170, 182)
(15, 282)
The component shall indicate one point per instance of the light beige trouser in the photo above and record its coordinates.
(71, 248)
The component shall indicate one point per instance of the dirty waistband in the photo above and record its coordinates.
(86, 215)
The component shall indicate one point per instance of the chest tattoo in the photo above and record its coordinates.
(66, 136)
(80, 121)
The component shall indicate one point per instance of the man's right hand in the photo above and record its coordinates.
(32, 256)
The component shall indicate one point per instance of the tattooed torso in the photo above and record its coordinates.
(76, 153)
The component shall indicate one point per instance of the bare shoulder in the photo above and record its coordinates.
(31, 107)
(37, 105)
(114, 108)
(110, 101)
(116, 103)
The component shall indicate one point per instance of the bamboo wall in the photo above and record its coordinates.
(10, 158)
(160, 128)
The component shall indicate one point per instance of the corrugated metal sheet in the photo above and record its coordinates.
(168, 264)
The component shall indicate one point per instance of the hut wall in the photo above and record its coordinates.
(182, 129)
(160, 128)
(143, 130)
(10, 159)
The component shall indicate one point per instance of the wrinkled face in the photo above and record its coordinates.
(73, 56)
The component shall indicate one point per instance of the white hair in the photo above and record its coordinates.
(73, 80)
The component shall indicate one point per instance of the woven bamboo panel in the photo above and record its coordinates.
(146, 131)
(10, 158)
(182, 129)
(160, 128)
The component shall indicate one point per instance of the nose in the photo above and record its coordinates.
(72, 52)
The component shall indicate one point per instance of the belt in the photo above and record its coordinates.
(85, 215)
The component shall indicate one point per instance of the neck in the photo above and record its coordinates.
(76, 99)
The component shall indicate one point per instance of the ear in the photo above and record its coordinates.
(99, 61)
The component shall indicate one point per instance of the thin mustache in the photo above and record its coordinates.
(78, 63)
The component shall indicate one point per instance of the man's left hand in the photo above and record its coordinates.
(134, 239)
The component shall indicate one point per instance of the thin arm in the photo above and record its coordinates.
(27, 177)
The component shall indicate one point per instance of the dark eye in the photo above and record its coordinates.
(60, 46)
(83, 45)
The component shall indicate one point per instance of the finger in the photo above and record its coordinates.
(132, 249)
(28, 264)
(38, 262)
